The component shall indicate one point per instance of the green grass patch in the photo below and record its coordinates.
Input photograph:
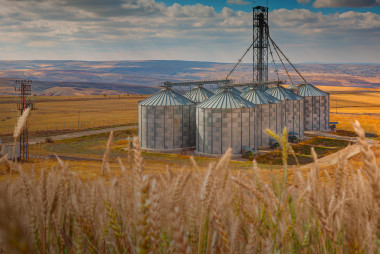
(326, 142)
(322, 146)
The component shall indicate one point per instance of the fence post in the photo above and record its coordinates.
(47, 127)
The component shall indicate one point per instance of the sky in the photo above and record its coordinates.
(326, 31)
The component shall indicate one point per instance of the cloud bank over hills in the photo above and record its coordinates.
(149, 29)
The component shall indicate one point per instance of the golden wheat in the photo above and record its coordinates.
(216, 210)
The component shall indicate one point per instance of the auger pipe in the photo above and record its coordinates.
(274, 82)
(196, 83)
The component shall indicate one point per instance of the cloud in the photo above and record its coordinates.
(303, 1)
(345, 3)
(239, 2)
(305, 21)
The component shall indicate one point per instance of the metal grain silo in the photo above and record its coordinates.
(198, 94)
(317, 107)
(166, 122)
(225, 120)
(293, 109)
(222, 89)
(269, 115)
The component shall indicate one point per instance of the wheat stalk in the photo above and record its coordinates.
(105, 162)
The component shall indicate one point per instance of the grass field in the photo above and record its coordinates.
(302, 151)
(93, 147)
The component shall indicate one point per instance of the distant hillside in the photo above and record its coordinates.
(141, 77)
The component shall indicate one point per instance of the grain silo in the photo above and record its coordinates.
(198, 94)
(225, 120)
(317, 107)
(222, 89)
(293, 109)
(269, 115)
(166, 122)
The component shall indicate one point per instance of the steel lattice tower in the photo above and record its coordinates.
(260, 44)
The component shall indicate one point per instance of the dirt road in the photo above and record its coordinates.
(81, 134)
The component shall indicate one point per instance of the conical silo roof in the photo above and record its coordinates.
(226, 99)
(221, 89)
(198, 94)
(256, 96)
(166, 97)
(310, 90)
(281, 93)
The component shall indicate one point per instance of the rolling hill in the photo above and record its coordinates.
(143, 77)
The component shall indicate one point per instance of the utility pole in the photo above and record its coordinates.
(25, 89)
(336, 106)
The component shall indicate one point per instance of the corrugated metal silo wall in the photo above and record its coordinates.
(166, 127)
(317, 112)
(294, 116)
(269, 116)
(220, 129)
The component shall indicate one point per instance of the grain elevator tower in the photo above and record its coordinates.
(260, 44)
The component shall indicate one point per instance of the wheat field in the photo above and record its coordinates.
(64, 112)
(192, 211)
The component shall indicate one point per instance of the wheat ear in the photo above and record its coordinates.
(179, 237)
(154, 210)
(369, 160)
(143, 222)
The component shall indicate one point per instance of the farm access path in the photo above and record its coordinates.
(80, 134)
(332, 159)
